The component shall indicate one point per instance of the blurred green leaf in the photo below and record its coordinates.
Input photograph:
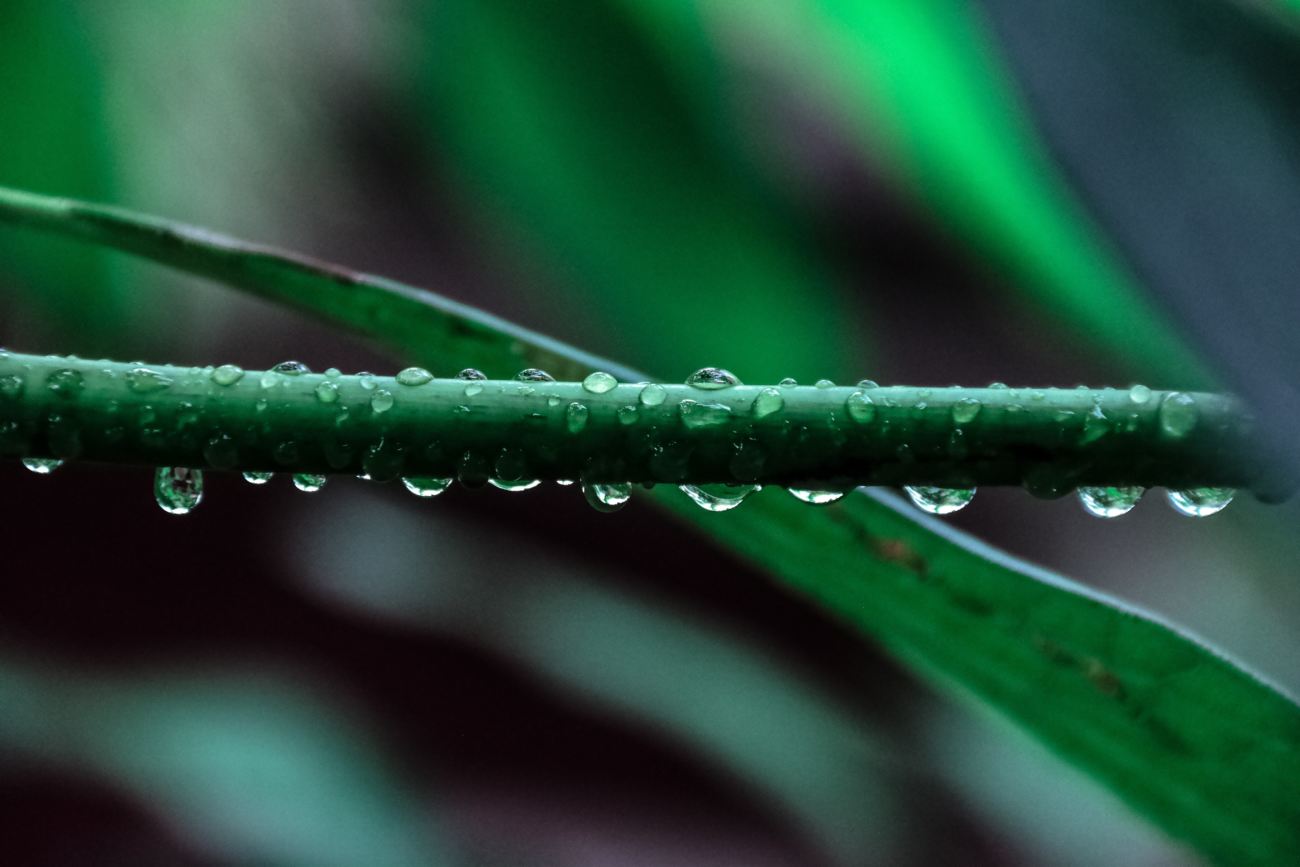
(247, 764)
(661, 243)
(1194, 741)
(53, 138)
(920, 91)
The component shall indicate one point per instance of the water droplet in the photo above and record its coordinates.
(816, 498)
(868, 383)
(308, 483)
(327, 392)
(471, 373)
(532, 374)
(473, 389)
(1109, 502)
(607, 497)
(256, 478)
(68, 383)
(576, 416)
(221, 453)
(564, 483)
(599, 382)
(1201, 502)
(1002, 386)
(366, 380)
(11, 386)
(414, 376)
(965, 410)
(788, 382)
(511, 472)
(653, 395)
(1139, 394)
(628, 415)
(940, 501)
(42, 466)
(426, 486)
(712, 379)
(701, 415)
(767, 402)
(824, 383)
(1178, 414)
(178, 490)
(381, 400)
(227, 375)
(333, 372)
(553, 400)
(860, 407)
(142, 380)
(718, 498)
(291, 368)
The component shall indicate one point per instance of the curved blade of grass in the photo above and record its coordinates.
(1200, 745)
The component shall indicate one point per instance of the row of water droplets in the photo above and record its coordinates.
(179, 490)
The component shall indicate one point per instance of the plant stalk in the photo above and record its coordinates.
(1048, 440)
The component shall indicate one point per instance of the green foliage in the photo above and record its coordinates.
(1194, 741)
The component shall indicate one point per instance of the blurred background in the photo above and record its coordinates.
(1041, 192)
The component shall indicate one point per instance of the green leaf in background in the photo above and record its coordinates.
(248, 764)
(1198, 744)
(920, 91)
(581, 150)
(53, 138)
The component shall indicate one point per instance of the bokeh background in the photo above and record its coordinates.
(1042, 192)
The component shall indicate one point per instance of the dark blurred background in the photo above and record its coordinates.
(1035, 191)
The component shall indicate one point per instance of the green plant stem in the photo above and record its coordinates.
(1050, 440)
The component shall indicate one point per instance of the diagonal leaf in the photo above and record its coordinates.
(1186, 736)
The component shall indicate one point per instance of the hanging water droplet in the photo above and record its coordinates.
(426, 486)
(599, 382)
(381, 400)
(227, 375)
(327, 392)
(413, 376)
(1139, 394)
(940, 501)
(69, 383)
(142, 380)
(965, 410)
(11, 386)
(788, 382)
(607, 497)
(291, 368)
(42, 466)
(718, 498)
(767, 402)
(824, 383)
(308, 483)
(257, 478)
(701, 415)
(576, 416)
(532, 374)
(653, 394)
(1109, 502)
(814, 497)
(1178, 413)
(860, 407)
(511, 472)
(712, 379)
(178, 490)
(1201, 502)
